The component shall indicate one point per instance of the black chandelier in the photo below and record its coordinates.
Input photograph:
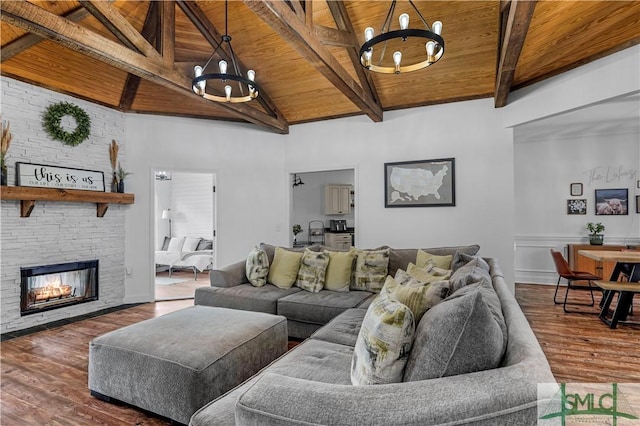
(434, 45)
(247, 86)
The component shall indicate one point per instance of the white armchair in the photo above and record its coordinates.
(186, 253)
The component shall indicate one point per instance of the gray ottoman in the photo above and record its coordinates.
(174, 364)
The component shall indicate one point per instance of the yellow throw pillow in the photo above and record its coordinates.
(284, 268)
(419, 299)
(338, 276)
(427, 275)
(423, 258)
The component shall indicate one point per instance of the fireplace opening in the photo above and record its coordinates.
(53, 286)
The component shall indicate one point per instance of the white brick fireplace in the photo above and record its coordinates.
(58, 232)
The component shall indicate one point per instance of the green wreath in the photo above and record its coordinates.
(53, 116)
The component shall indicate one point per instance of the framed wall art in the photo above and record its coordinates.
(576, 189)
(612, 201)
(577, 206)
(424, 183)
(46, 176)
(637, 203)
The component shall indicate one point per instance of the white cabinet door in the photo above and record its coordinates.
(337, 199)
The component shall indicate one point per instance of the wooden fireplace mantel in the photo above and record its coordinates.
(29, 195)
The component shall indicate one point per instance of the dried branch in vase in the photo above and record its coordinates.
(6, 142)
(113, 154)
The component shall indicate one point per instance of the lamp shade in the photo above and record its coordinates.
(166, 214)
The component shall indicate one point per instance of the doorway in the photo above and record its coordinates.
(184, 232)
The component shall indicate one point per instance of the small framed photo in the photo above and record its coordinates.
(577, 206)
(612, 201)
(637, 203)
(638, 184)
(576, 189)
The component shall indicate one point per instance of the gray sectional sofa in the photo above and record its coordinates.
(311, 384)
(306, 312)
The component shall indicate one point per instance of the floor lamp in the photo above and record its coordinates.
(166, 214)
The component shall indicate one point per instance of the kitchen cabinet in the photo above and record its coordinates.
(338, 241)
(337, 199)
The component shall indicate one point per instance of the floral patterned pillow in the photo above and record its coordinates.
(371, 270)
(313, 268)
(257, 267)
(383, 344)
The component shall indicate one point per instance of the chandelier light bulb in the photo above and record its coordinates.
(251, 75)
(368, 33)
(223, 66)
(227, 92)
(437, 27)
(431, 48)
(367, 57)
(404, 21)
(200, 86)
(397, 57)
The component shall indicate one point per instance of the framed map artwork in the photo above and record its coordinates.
(425, 183)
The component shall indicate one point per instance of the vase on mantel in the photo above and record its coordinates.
(114, 183)
(3, 178)
(121, 186)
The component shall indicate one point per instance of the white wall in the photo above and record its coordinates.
(545, 168)
(59, 232)
(252, 188)
(547, 164)
(471, 132)
(308, 199)
(192, 205)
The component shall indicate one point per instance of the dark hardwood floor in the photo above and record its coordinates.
(44, 375)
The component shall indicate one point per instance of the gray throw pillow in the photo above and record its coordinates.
(492, 300)
(457, 336)
(165, 244)
(472, 272)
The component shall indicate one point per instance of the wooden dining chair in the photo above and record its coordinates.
(563, 270)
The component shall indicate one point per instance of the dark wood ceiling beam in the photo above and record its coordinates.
(296, 6)
(36, 20)
(28, 40)
(332, 36)
(197, 16)
(515, 32)
(109, 16)
(167, 32)
(150, 33)
(294, 30)
(343, 21)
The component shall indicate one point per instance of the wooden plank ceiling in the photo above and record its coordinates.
(138, 56)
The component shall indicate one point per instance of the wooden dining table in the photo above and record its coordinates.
(627, 262)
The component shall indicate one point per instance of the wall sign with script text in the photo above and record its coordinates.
(43, 176)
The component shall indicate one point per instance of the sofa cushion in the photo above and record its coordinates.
(284, 268)
(400, 258)
(419, 298)
(271, 249)
(383, 344)
(492, 300)
(244, 296)
(165, 244)
(257, 267)
(175, 244)
(472, 272)
(205, 245)
(343, 329)
(424, 258)
(339, 270)
(371, 270)
(191, 244)
(319, 308)
(457, 336)
(312, 271)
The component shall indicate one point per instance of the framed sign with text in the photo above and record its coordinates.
(44, 176)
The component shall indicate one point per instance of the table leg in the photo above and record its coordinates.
(622, 309)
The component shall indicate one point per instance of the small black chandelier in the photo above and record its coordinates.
(434, 45)
(247, 86)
